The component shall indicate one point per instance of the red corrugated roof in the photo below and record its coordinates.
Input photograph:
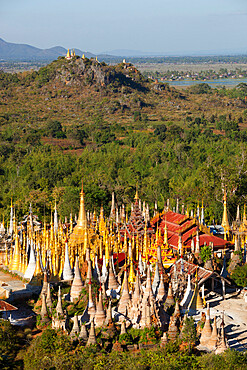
(5, 306)
(175, 218)
(181, 224)
(204, 238)
(190, 268)
(121, 258)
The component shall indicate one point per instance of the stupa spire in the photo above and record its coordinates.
(165, 234)
(75, 330)
(113, 208)
(202, 215)
(91, 307)
(48, 298)
(225, 222)
(112, 282)
(131, 272)
(92, 336)
(207, 330)
(125, 296)
(16, 257)
(223, 345)
(77, 284)
(31, 265)
(89, 270)
(55, 219)
(68, 56)
(156, 278)
(83, 333)
(100, 312)
(196, 301)
(67, 273)
(44, 312)
(214, 336)
(82, 219)
(161, 290)
(136, 297)
(148, 291)
(11, 223)
(59, 307)
(169, 299)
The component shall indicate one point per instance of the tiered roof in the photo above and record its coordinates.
(195, 271)
(136, 223)
(185, 226)
(5, 306)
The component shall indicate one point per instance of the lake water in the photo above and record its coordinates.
(227, 82)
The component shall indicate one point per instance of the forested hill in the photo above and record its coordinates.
(108, 123)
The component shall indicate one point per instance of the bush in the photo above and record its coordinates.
(188, 334)
(50, 350)
(9, 344)
(137, 116)
(55, 129)
(239, 275)
(202, 88)
(205, 253)
(160, 131)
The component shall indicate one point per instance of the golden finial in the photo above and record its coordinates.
(244, 215)
(68, 56)
(136, 196)
(196, 276)
(131, 273)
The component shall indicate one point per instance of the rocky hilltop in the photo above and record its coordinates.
(78, 71)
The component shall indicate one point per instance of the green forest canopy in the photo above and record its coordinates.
(46, 149)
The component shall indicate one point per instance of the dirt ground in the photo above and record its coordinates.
(235, 318)
(13, 283)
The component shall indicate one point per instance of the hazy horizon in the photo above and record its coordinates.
(164, 27)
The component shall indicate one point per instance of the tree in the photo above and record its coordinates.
(239, 275)
(189, 333)
(160, 131)
(201, 88)
(137, 116)
(144, 117)
(205, 253)
(55, 129)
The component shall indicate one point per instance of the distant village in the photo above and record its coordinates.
(173, 75)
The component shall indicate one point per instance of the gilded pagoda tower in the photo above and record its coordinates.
(225, 222)
(78, 235)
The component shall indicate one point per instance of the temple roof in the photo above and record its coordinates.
(5, 306)
(190, 268)
(185, 226)
(136, 223)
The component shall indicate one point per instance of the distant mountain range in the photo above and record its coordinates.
(131, 53)
(23, 52)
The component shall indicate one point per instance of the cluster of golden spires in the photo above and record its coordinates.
(71, 54)
(95, 235)
(100, 237)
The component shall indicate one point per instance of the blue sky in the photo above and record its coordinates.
(166, 26)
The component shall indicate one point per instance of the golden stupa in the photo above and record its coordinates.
(78, 235)
(225, 222)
